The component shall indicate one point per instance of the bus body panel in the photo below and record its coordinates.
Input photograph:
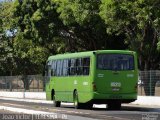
(65, 86)
(64, 92)
(116, 82)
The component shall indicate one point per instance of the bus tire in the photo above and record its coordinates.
(89, 106)
(114, 106)
(56, 103)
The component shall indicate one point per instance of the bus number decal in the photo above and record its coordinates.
(85, 83)
(75, 82)
(100, 75)
(130, 75)
(115, 84)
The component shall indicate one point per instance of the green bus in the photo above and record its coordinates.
(95, 77)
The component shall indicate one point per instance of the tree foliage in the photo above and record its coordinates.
(85, 25)
(39, 28)
(6, 46)
(139, 21)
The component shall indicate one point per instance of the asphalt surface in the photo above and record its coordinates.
(128, 112)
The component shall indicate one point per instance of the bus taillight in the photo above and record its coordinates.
(94, 86)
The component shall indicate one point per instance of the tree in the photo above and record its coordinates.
(6, 47)
(39, 23)
(86, 28)
(139, 20)
(28, 45)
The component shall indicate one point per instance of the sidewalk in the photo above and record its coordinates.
(41, 97)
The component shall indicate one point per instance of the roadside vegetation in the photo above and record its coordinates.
(32, 30)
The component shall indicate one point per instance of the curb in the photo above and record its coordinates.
(141, 100)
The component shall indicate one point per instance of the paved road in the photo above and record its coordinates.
(128, 112)
(6, 112)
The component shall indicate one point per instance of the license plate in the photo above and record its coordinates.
(115, 89)
(115, 97)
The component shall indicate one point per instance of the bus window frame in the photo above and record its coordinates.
(68, 68)
(115, 69)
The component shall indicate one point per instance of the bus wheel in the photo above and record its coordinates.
(56, 103)
(114, 106)
(89, 106)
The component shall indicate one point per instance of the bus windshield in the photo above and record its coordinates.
(115, 62)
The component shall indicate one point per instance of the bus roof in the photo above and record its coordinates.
(87, 53)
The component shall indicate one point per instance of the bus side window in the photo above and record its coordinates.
(55, 68)
(58, 68)
(73, 67)
(68, 69)
(86, 65)
(49, 69)
(53, 71)
(79, 70)
(65, 67)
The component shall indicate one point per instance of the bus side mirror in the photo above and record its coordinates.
(46, 67)
(94, 52)
(52, 72)
(45, 71)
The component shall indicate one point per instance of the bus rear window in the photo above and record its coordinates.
(115, 62)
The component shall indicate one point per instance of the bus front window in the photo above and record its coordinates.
(115, 62)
